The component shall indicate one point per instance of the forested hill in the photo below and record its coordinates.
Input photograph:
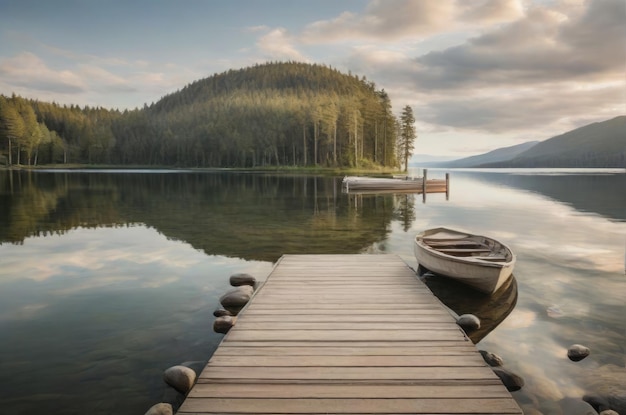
(601, 144)
(271, 114)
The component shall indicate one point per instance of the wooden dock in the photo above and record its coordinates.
(346, 334)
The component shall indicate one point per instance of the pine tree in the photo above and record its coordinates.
(407, 134)
(11, 125)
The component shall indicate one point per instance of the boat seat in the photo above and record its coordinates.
(463, 250)
(464, 243)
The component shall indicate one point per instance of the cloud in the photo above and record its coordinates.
(391, 20)
(28, 70)
(545, 46)
(522, 110)
(277, 44)
(491, 11)
(561, 66)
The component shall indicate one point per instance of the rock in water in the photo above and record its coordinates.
(237, 280)
(224, 324)
(606, 388)
(160, 409)
(491, 359)
(576, 406)
(219, 312)
(577, 352)
(235, 299)
(180, 378)
(468, 322)
(512, 381)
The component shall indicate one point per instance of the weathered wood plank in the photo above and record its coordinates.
(352, 311)
(256, 390)
(371, 373)
(441, 318)
(346, 405)
(428, 343)
(237, 334)
(340, 306)
(353, 361)
(333, 325)
(226, 350)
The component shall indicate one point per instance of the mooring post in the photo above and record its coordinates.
(447, 186)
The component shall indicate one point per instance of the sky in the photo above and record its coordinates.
(479, 74)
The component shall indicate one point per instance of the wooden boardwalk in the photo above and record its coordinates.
(346, 334)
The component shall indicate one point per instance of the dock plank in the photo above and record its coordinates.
(346, 334)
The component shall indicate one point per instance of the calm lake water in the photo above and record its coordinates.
(108, 278)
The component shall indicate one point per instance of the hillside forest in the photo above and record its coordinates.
(274, 114)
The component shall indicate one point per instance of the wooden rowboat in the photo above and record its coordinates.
(475, 260)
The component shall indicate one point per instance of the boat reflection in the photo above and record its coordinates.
(490, 309)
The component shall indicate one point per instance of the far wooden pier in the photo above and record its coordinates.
(346, 334)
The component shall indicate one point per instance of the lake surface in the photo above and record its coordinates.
(108, 278)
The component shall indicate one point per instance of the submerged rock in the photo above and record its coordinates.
(577, 352)
(512, 381)
(180, 378)
(468, 322)
(237, 280)
(224, 324)
(160, 409)
(491, 359)
(606, 386)
(573, 406)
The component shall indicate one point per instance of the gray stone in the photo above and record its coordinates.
(577, 352)
(219, 312)
(597, 402)
(180, 378)
(160, 409)
(468, 322)
(224, 324)
(195, 365)
(608, 382)
(609, 412)
(237, 280)
(512, 381)
(235, 299)
(491, 359)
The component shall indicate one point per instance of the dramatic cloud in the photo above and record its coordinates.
(545, 46)
(390, 20)
(554, 66)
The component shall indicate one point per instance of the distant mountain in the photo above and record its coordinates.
(428, 159)
(601, 144)
(496, 156)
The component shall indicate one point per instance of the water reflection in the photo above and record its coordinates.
(237, 215)
(601, 193)
(107, 279)
(490, 309)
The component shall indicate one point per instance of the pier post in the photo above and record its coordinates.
(424, 180)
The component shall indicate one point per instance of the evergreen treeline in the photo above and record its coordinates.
(278, 114)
